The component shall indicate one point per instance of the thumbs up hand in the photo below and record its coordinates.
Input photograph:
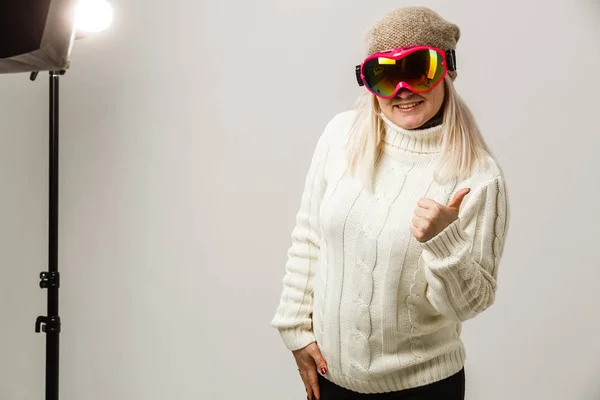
(431, 217)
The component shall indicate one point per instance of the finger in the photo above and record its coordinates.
(413, 230)
(320, 362)
(309, 393)
(416, 232)
(420, 222)
(427, 203)
(458, 198)
(307, 387)
(423, 212)
(313, 380)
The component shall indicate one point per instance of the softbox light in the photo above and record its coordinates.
(37, 35)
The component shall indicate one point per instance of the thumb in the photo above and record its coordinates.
(458, 198)
(315, 353)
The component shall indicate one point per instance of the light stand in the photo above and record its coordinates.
(50, 280)
(41, 39)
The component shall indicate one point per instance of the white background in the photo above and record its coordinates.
(186, 133)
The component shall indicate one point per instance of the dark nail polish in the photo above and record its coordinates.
(323, 371)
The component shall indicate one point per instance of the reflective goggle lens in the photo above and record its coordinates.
(421, 70)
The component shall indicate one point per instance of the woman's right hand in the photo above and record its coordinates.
(310, 363)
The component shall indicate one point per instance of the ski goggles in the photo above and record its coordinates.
(416, 68)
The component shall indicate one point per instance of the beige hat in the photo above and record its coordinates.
(412, 26)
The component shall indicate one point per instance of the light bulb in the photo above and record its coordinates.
(93, 15)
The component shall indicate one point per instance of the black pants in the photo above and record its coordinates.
(451, 388)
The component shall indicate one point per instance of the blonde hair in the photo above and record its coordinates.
(463, 149)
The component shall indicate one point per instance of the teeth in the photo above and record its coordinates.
(407, 106)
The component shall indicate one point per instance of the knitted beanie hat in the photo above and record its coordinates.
(412, 26)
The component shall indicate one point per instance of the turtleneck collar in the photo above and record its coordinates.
(418, 141)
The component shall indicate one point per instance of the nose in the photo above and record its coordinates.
(404, 93)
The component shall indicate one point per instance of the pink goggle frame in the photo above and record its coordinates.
(440, 63)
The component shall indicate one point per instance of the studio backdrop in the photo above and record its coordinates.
(37, 35)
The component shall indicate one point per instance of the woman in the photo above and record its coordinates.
(401, 228)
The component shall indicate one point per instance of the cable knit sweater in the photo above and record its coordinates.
(385, 309)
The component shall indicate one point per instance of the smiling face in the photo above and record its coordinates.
(410, 110)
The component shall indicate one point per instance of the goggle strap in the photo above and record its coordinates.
(358, 78)
(451, 60)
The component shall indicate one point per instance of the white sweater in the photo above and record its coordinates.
(385, 309)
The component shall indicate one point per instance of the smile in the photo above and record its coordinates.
(408, 106)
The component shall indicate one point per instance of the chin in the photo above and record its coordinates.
(409, 123)
(408, 120)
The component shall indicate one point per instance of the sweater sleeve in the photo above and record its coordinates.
(293, 317)
(461, 262)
